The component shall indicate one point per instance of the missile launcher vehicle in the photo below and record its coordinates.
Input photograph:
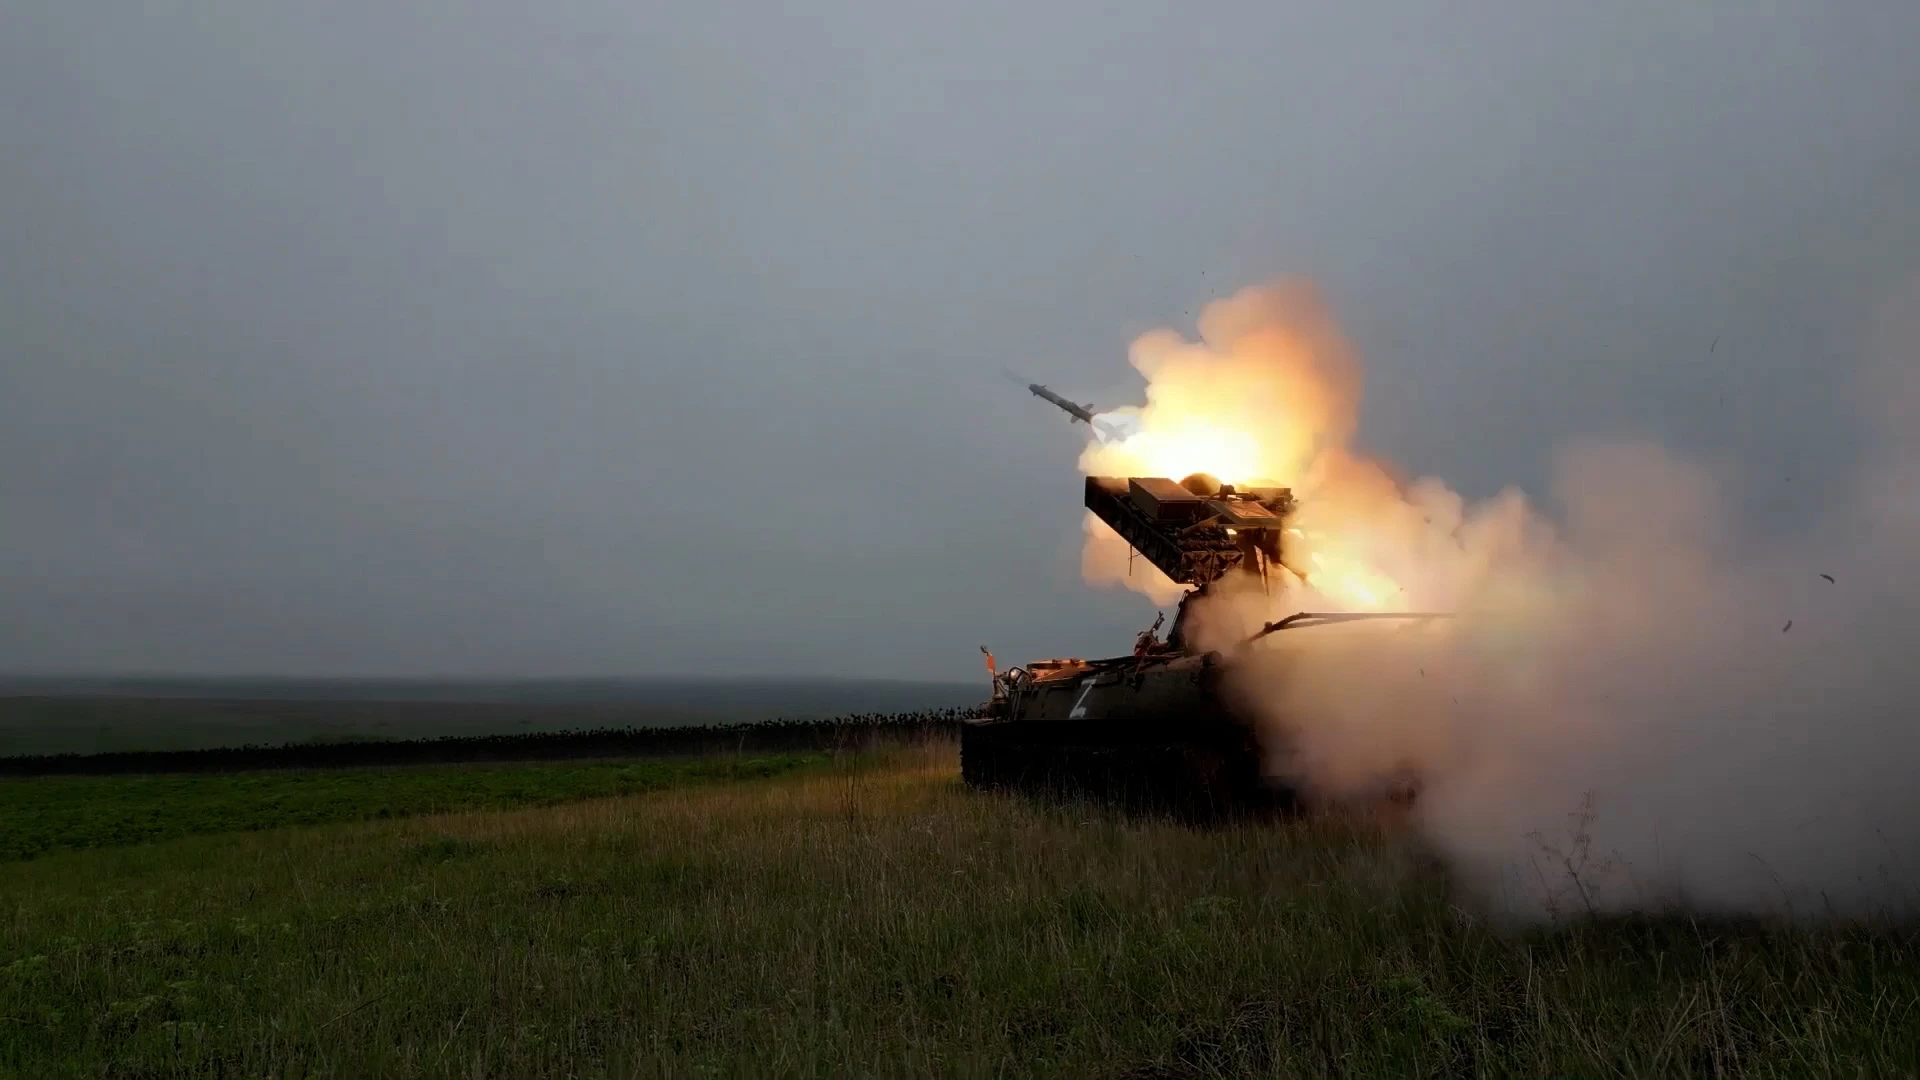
(1151, 728)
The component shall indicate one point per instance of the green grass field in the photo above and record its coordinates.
(52, 813)
(64, 716)
(872, 917)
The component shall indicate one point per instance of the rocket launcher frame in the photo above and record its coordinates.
(1196, 531)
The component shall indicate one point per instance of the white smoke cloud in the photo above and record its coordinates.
(1638, 707)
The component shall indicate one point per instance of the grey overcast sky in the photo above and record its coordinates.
(621, 338)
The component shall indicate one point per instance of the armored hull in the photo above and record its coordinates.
(1151, 732)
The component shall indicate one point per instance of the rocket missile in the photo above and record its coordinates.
(1083, 413)
(1102, 430)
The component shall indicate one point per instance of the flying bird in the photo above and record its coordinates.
(1829, 578)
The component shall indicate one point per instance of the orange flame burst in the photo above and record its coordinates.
(1269, 387)
(1352, 583)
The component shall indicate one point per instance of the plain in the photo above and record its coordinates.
(870, 916)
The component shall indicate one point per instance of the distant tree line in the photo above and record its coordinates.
(850, 732)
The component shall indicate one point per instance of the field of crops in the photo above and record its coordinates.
(858, 915)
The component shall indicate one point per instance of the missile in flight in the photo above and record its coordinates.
(1082, 413)
(1104, 428)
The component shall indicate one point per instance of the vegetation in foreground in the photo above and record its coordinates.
(57, 716)
(52, 813)
(880, 920)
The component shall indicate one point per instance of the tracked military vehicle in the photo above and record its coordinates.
(1151, 728)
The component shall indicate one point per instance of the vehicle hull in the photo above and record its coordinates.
(1148, 733)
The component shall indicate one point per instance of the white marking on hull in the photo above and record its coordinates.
(1080, 703)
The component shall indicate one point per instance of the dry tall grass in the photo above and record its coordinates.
(880, 920)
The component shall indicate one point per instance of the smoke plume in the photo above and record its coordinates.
(1638, 706)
